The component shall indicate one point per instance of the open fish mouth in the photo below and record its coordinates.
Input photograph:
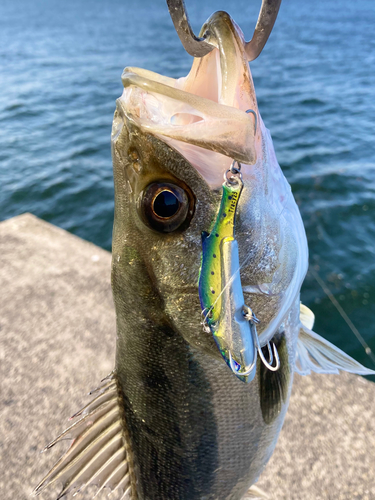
(202, 115)
(211, 118)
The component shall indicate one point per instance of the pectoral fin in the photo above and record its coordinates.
(314, 353)
(274, 386)
(98, 454)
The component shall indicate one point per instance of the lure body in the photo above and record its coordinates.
(220, 288)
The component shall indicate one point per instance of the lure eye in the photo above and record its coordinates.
(166, 207)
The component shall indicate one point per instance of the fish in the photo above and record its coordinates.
(209, 255)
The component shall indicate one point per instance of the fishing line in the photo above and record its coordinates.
(343, 314)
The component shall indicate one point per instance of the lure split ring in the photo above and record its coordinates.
(233, 175)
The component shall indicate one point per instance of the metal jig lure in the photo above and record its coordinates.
(231, 322)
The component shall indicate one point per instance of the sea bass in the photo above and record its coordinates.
(209, 254)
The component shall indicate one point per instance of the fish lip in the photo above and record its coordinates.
(216, 95)
(221, 127)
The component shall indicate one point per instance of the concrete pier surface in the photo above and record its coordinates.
(57, 327)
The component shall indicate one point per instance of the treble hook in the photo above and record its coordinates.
(268, 364)
(248, 369)
(272, 352)
(248, 313)
(199, 47)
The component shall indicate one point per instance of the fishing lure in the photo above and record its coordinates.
(231, 322)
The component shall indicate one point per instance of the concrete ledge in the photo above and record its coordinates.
(57, 327)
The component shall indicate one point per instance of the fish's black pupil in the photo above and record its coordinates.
(166, 204)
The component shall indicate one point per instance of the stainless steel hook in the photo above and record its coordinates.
(198, 47)
(272, 352)
(237, 370)
(268, 364)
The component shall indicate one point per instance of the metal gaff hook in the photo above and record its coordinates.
(193, 45)
(198, 47)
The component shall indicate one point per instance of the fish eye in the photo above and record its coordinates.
(165, 204)
(166, 207)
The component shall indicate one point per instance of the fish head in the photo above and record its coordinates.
(173, 141)
(162, 205)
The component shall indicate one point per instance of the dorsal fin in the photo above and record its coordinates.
(314, 353)
(98, 454)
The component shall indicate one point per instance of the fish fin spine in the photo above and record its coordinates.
(100, 452)
(316, 354)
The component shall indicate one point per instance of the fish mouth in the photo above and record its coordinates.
(202, 115)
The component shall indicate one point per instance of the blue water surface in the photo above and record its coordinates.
(60, 69)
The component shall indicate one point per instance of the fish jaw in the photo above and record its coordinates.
(202, 115)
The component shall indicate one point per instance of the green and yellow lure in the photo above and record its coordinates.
(220, 289)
